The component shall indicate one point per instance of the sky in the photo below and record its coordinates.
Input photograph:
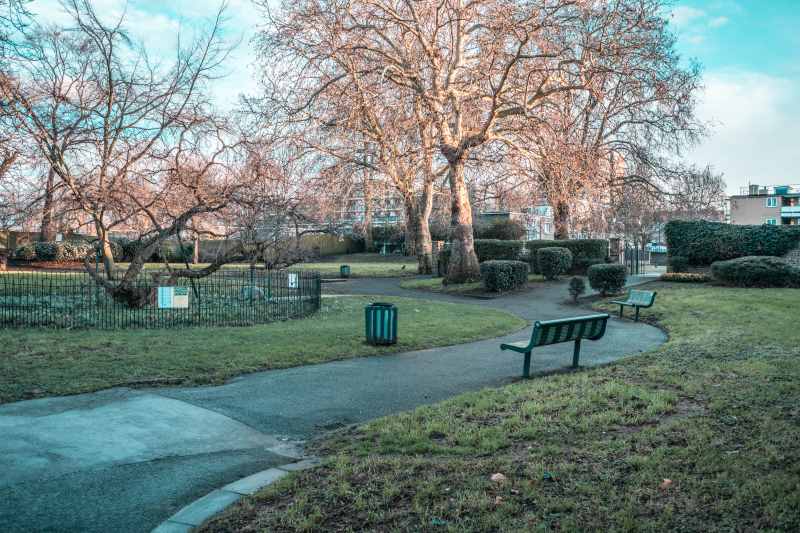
(749, 51)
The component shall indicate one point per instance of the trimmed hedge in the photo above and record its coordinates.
(497, 250)
(500, 229)
(585, 252)
(553, 261)
(499, 276)
(756, 271)
(677, 263)
(703, 243)
(608, 279)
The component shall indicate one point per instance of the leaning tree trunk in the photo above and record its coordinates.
(106, 251)
(463, 262)
(561, 220)
(46, 232)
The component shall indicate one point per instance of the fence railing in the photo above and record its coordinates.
(230, 297)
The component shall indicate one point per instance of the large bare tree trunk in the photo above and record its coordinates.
(418, 226)
(106, 252)
(463, 263)
(561, 220)
(46, 230)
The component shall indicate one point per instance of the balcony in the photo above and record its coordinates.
(791, 211)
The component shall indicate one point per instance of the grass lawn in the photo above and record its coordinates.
(363, 265)
(44, 362)
(698, 435)
(435, 285)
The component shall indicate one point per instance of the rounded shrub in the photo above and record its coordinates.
(756, 271)
(553, 261)
(500, 276)
(677, 263)
(608, 279)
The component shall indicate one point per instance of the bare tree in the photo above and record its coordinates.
(697, 194)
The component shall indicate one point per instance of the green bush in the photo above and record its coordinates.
(505, 230)
(608, 279)
(495, 249)
(576, 287)
(585, 252)
(26, 252)
(48, 251)
(553, 261)
(499, 276)
(677, 263)
(703, 243)
(756, 271)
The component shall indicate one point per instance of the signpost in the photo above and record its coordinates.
(173, 297)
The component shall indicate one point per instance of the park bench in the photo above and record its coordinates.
(591, 327)
(637, 300)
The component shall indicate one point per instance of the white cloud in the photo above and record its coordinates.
(756, 127)
(682, 16)
(718, 22)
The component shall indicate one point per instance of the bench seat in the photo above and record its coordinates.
(636, 299)
(546, 332)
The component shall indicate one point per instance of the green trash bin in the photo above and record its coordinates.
(381, 323)
(344, 271)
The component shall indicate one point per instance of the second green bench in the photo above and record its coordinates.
(637, 300)
(545, 332)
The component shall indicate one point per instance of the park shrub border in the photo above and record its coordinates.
(702, 242)
(756, 271)
(497, 250)
(502, 275)
(585, 252)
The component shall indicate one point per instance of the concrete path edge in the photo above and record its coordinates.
(216, 501)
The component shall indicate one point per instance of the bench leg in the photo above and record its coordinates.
(620, 310)
(526, 367)
(577, 353)
(637, 314)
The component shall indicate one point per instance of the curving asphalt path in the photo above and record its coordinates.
(124, 460)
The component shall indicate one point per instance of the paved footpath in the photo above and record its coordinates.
(124, 460)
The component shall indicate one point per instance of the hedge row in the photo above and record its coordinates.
(703, 243)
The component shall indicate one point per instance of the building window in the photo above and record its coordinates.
(772, 222)
(772, 201)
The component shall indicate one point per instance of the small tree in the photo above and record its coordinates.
(577, 286)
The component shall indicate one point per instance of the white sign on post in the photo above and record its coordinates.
(173, 297)
(294, 278)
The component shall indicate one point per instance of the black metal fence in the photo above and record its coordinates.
(230, 297)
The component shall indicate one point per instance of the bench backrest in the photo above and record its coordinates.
(590, 327)
(643, 298)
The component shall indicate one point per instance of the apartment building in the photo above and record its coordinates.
(771, 204)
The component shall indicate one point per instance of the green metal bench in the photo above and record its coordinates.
(591, 327)
(637, 300)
